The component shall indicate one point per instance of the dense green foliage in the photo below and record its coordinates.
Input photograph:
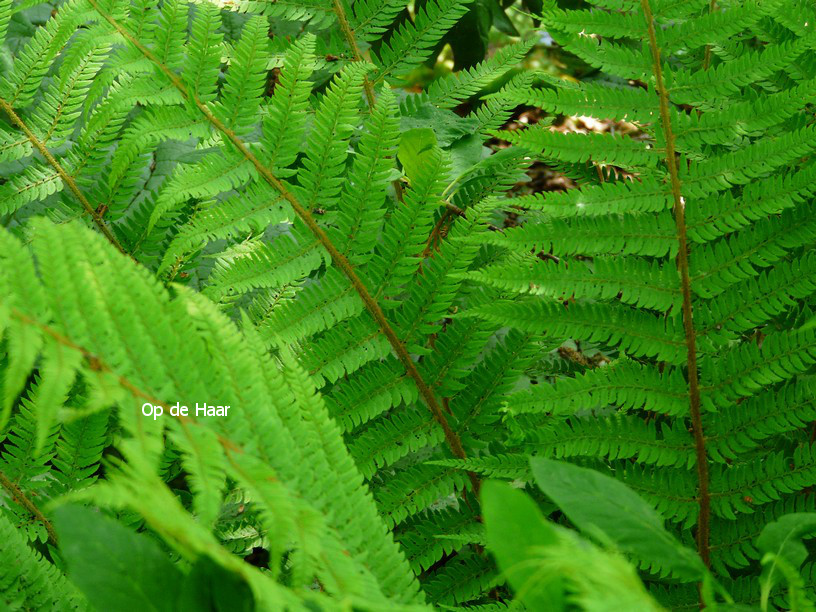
(241, 205)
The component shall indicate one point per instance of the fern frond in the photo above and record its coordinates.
(723, 263)
(742, 166)
(747, 368)
(33, 61)
(757, 300)
(259, 264)
(733, 543)
(477, 406)
(382, 442)
(740, 428)
(285, 115)
(79, 451)
(589, 99)
(601, 148)
(622, 61)
(636, 333)
(414, 489)
(411, 43)
(625, 383)
(203, 52)
(635, 234)
(36, 183)
(246, 79)
(29, 581)
(637, 282)
(703, 87)
(327, 146)
(742, 488)
(361, 203)
(721, 214)
(343, 350)
(420, 538)
(371, 18)
(398, 255)
(454, 89)
(597, 200)
(621, 437)
(462, 579)
(713, 26)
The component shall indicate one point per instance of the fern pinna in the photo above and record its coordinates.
(684, 263)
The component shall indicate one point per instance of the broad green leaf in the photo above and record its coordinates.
(448, 127)
(599, 504)
(209, 586)
(115, 567)
(781, 543)
(516, 531)
(783, 537)
(414, 148)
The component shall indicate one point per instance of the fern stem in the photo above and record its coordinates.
(707, 59)
(23, 500)
(436, 233)
(451, 437)
(67, 178)
(348, 34)
(703, 546)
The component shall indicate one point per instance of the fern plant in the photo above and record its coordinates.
(268, 248)
(202, 208)
(684, 263)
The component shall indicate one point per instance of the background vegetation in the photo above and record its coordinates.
(511, 304)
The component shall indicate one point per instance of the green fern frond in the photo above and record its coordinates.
(27, 581)
(371, 18)
(411, 43)
(398, 255)
(601, 148)
(620, 437)
(285, 115)
(203, 52)
(743, 487)
(79, 451)
(636, 333)
(454, 89)
(361, 208)
(637, 282)
(414, 489)
(246, 78)
(624, 383)
(589, 99)
(636, 234)
(741, 428)
(327, 146)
